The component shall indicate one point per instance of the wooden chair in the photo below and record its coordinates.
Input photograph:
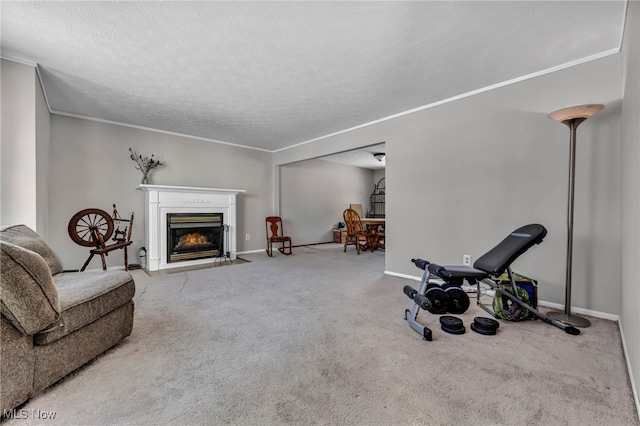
(358, 209)
(275, 234)
(356, 233)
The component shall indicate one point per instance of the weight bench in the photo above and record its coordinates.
(489, 266)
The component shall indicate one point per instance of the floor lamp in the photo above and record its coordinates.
(572, 117)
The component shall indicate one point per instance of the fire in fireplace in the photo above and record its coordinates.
(193, 236)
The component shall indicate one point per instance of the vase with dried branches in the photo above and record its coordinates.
(144, 164)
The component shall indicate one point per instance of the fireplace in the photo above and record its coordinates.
(194, 236)
(211, 210)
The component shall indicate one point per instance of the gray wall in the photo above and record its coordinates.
(18, 146)
(510, 169)
(377, 175)
(314, 194)
(630, 188)
(90, 167)
(43, 152)
(462, 175)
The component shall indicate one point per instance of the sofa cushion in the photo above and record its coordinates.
(17, 366)
(85, 297)
(61, 357)
(29, 297)
(25, 237)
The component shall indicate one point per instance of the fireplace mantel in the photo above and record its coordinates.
(162, 199)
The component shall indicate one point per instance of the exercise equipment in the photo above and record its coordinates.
(421, 302)
(484, 271)
(458, 300)
(452, 325)
(483, 322)
(486, 326)
(437, 299)
(440, 299)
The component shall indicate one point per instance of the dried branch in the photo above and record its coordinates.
(144, 164)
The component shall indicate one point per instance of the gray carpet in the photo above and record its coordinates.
(319, 338)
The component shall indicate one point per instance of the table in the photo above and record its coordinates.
(373, 223)
(369, 221)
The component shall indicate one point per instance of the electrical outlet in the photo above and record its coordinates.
(466, 259)
(247, 237)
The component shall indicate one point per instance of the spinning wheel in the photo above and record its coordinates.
(85, 221)
(94, 227)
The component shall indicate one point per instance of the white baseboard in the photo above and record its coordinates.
(634, 388)
(399, 275)
(251, 251)
(589, 312)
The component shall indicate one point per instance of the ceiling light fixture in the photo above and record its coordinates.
(379, 156)
(572, 117)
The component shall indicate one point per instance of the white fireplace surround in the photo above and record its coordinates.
(161, 200)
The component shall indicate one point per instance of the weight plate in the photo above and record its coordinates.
(487, 323)
(458, 300)
(481, 330)
(460, 330)
(439, 300)
(448, 285)
(451, 322)
(432, 285)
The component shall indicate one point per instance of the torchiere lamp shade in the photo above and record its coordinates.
(576, 111)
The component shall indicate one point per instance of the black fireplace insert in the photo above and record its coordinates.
(193, 236)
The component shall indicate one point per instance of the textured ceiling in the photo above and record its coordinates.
(273, 74)
(362, 158)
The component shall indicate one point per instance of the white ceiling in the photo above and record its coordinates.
(269, 75)
(360, 157)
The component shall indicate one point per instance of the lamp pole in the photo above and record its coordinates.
(572, 117)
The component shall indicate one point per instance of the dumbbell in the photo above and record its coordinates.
(438, 300)
(435, 299)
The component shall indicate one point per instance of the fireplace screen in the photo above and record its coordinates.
(193, 236)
